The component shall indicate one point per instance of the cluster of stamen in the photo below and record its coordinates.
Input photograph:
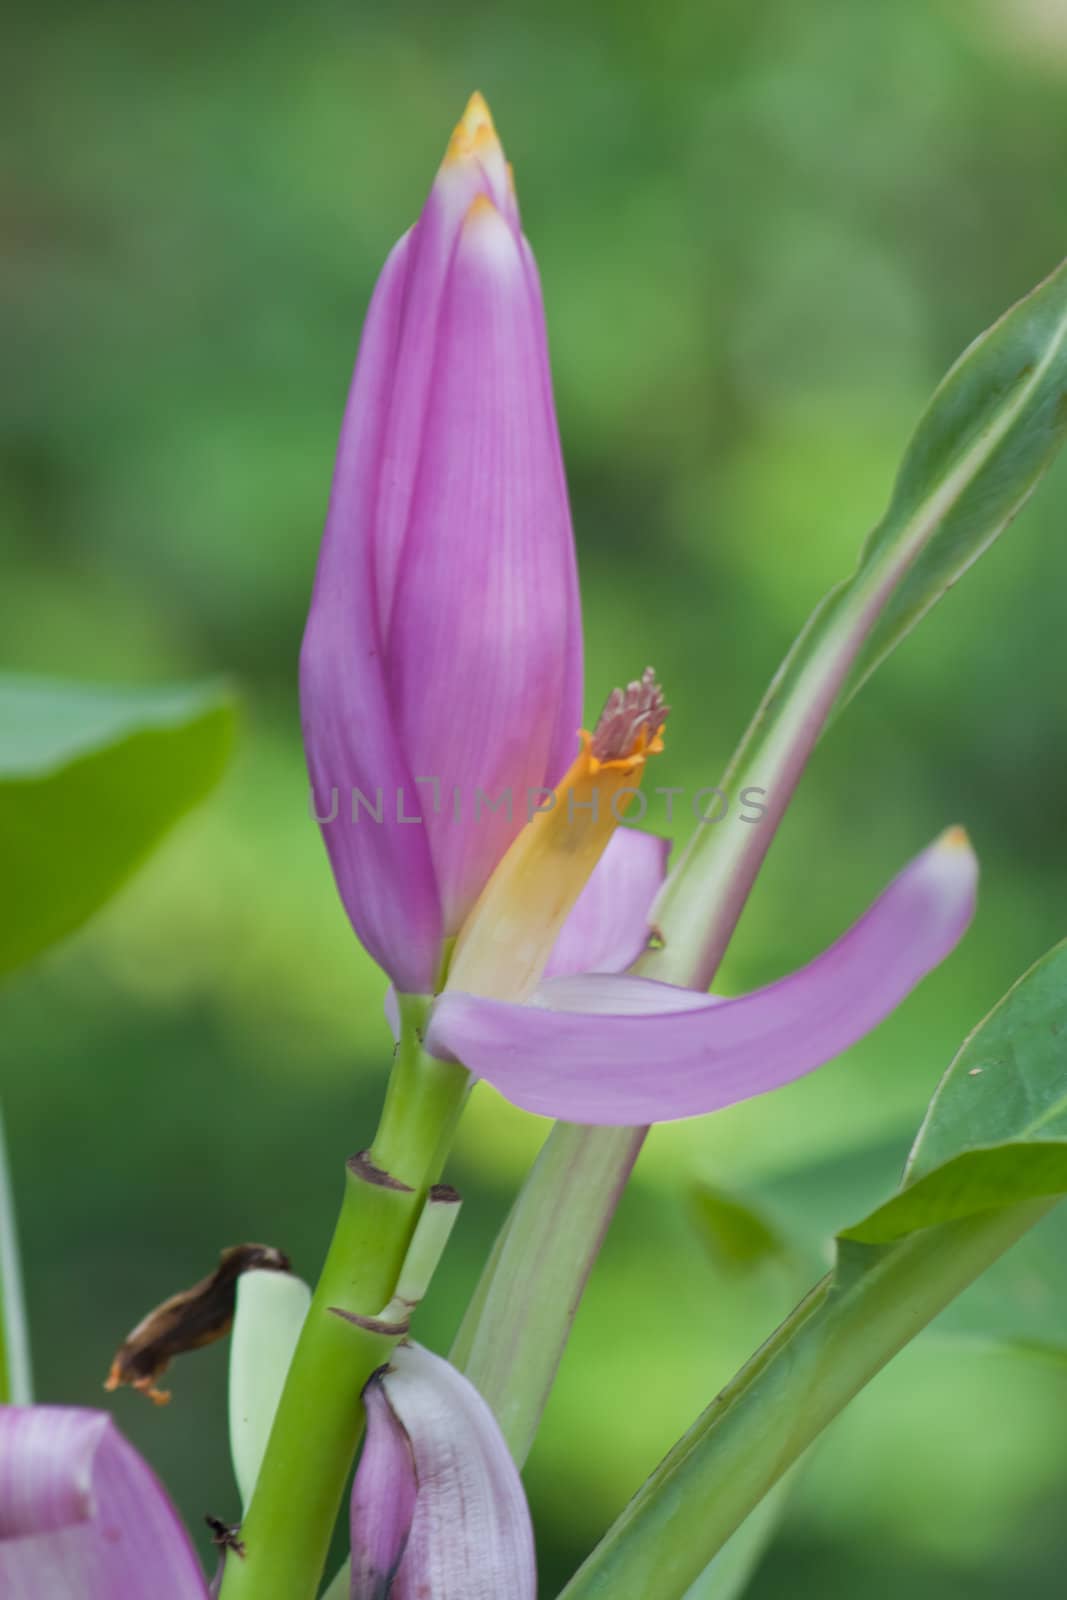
(631, 719)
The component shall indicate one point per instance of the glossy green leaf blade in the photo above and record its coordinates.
(992, 428)
(1022, 1300)
(989, 1163)
(90, 779)
(16, 1382)
(854, 1322)
(996, 1130)
(990, 431)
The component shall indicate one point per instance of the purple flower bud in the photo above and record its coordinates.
(441, 666)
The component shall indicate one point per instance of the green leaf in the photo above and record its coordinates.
(90, 779)
(1022, 1299)
(728, 1575)
(989, 433)
(991, 430)
(988, 1164)
(996, 1130)
(16, 1382)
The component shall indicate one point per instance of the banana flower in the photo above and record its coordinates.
(442, 660)
(441, 667)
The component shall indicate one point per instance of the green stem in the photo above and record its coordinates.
(423, 1102)
(287, 1530)
(847, 1329)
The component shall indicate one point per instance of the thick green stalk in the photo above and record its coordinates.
(287, 1531)
(847, 1329)
(513, 1335)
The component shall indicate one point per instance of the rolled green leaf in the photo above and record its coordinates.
(989, 1162)
(988, 435)
(271, 1310)
(90, 779)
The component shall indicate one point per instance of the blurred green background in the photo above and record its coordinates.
(764, 232)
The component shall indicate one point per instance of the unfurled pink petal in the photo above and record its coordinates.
(470, 1537)
(81, 1515)
(608, 928)
(630, 1051)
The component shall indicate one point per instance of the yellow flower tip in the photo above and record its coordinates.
(474, 133)
(477, 114)
(955, 838)
(485, 138)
